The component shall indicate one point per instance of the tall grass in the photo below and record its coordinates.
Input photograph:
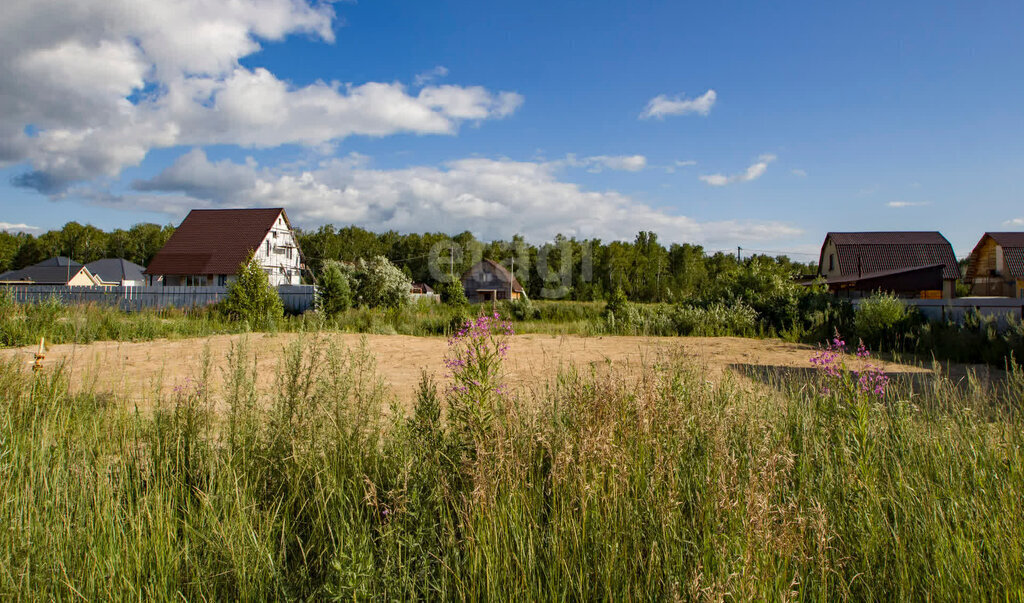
(601, 484)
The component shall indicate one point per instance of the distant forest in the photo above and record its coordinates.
(645, 269)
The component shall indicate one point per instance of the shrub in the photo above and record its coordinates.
(335, 292)
(883, 320)
(381, 283)
(520, 309)
(452, 293)
(251, 298)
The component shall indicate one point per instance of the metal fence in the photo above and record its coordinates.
(957, 308)
(296, 298)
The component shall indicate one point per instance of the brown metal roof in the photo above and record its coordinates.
(1007, 239)
(874, 252)
(214, 241)
(891, 237)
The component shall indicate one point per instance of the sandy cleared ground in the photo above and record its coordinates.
(133, 370)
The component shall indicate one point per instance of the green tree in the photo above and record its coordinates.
(334, 289)
(381, 283)
(252, 299)
(452, 293)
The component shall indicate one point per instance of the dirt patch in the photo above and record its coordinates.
(136, 370)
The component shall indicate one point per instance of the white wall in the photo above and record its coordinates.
(278, 255)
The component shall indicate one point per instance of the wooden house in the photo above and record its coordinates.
(211, 244)
(54, 271)
(908, 264)
(996, 266)
(488, 280)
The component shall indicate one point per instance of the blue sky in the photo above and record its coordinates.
(776, 121)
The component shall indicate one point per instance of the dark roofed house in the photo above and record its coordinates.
(996, 266)
(909, 264)
(488, 280)
(117, 272)
(54, 271)
(211, 244)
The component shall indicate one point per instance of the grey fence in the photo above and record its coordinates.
(296, 298)
(955, 309)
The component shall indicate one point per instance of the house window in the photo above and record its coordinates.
(288, 253)
(268, 247)
(222, 280)
(831, 262)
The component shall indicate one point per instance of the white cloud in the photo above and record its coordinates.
(1014, 222)
(671, 169)
(9, 227)
(907, 203)
(661, 105)
(753, 172)
(429, 75)
(599, 163)
(492, 198)
(90, 87)
(798, 173)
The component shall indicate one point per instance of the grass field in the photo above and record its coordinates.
(608, 480)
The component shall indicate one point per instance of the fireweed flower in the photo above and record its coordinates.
(831, 363)
(475, 353)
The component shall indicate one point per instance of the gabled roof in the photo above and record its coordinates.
(214, 241)
(863, 253)
(500, 271)
(45, 275)
(116, 270)
(57, 261)
(1013, 253)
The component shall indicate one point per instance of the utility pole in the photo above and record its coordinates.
(512, 278)
(739, 258)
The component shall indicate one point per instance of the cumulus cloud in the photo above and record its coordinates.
(9, 227)
(898, 204)
(798, 172)
(661, 106)
(753, 172)
(1014, 222)
(90, 87)
(494, 198)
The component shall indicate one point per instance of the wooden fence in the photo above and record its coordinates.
(296, 298)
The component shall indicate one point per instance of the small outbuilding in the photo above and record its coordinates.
(917, 264)
(996, 266)
(488, 280)
(54, 271)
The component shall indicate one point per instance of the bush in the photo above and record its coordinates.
(883, 320)
(252, 299)
(452, 293)
(335, 292)
(381, 283)
(520, 309)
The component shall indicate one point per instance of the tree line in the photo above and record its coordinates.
(567, 268)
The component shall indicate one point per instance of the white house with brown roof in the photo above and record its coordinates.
(210, 245)
(996, 266)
